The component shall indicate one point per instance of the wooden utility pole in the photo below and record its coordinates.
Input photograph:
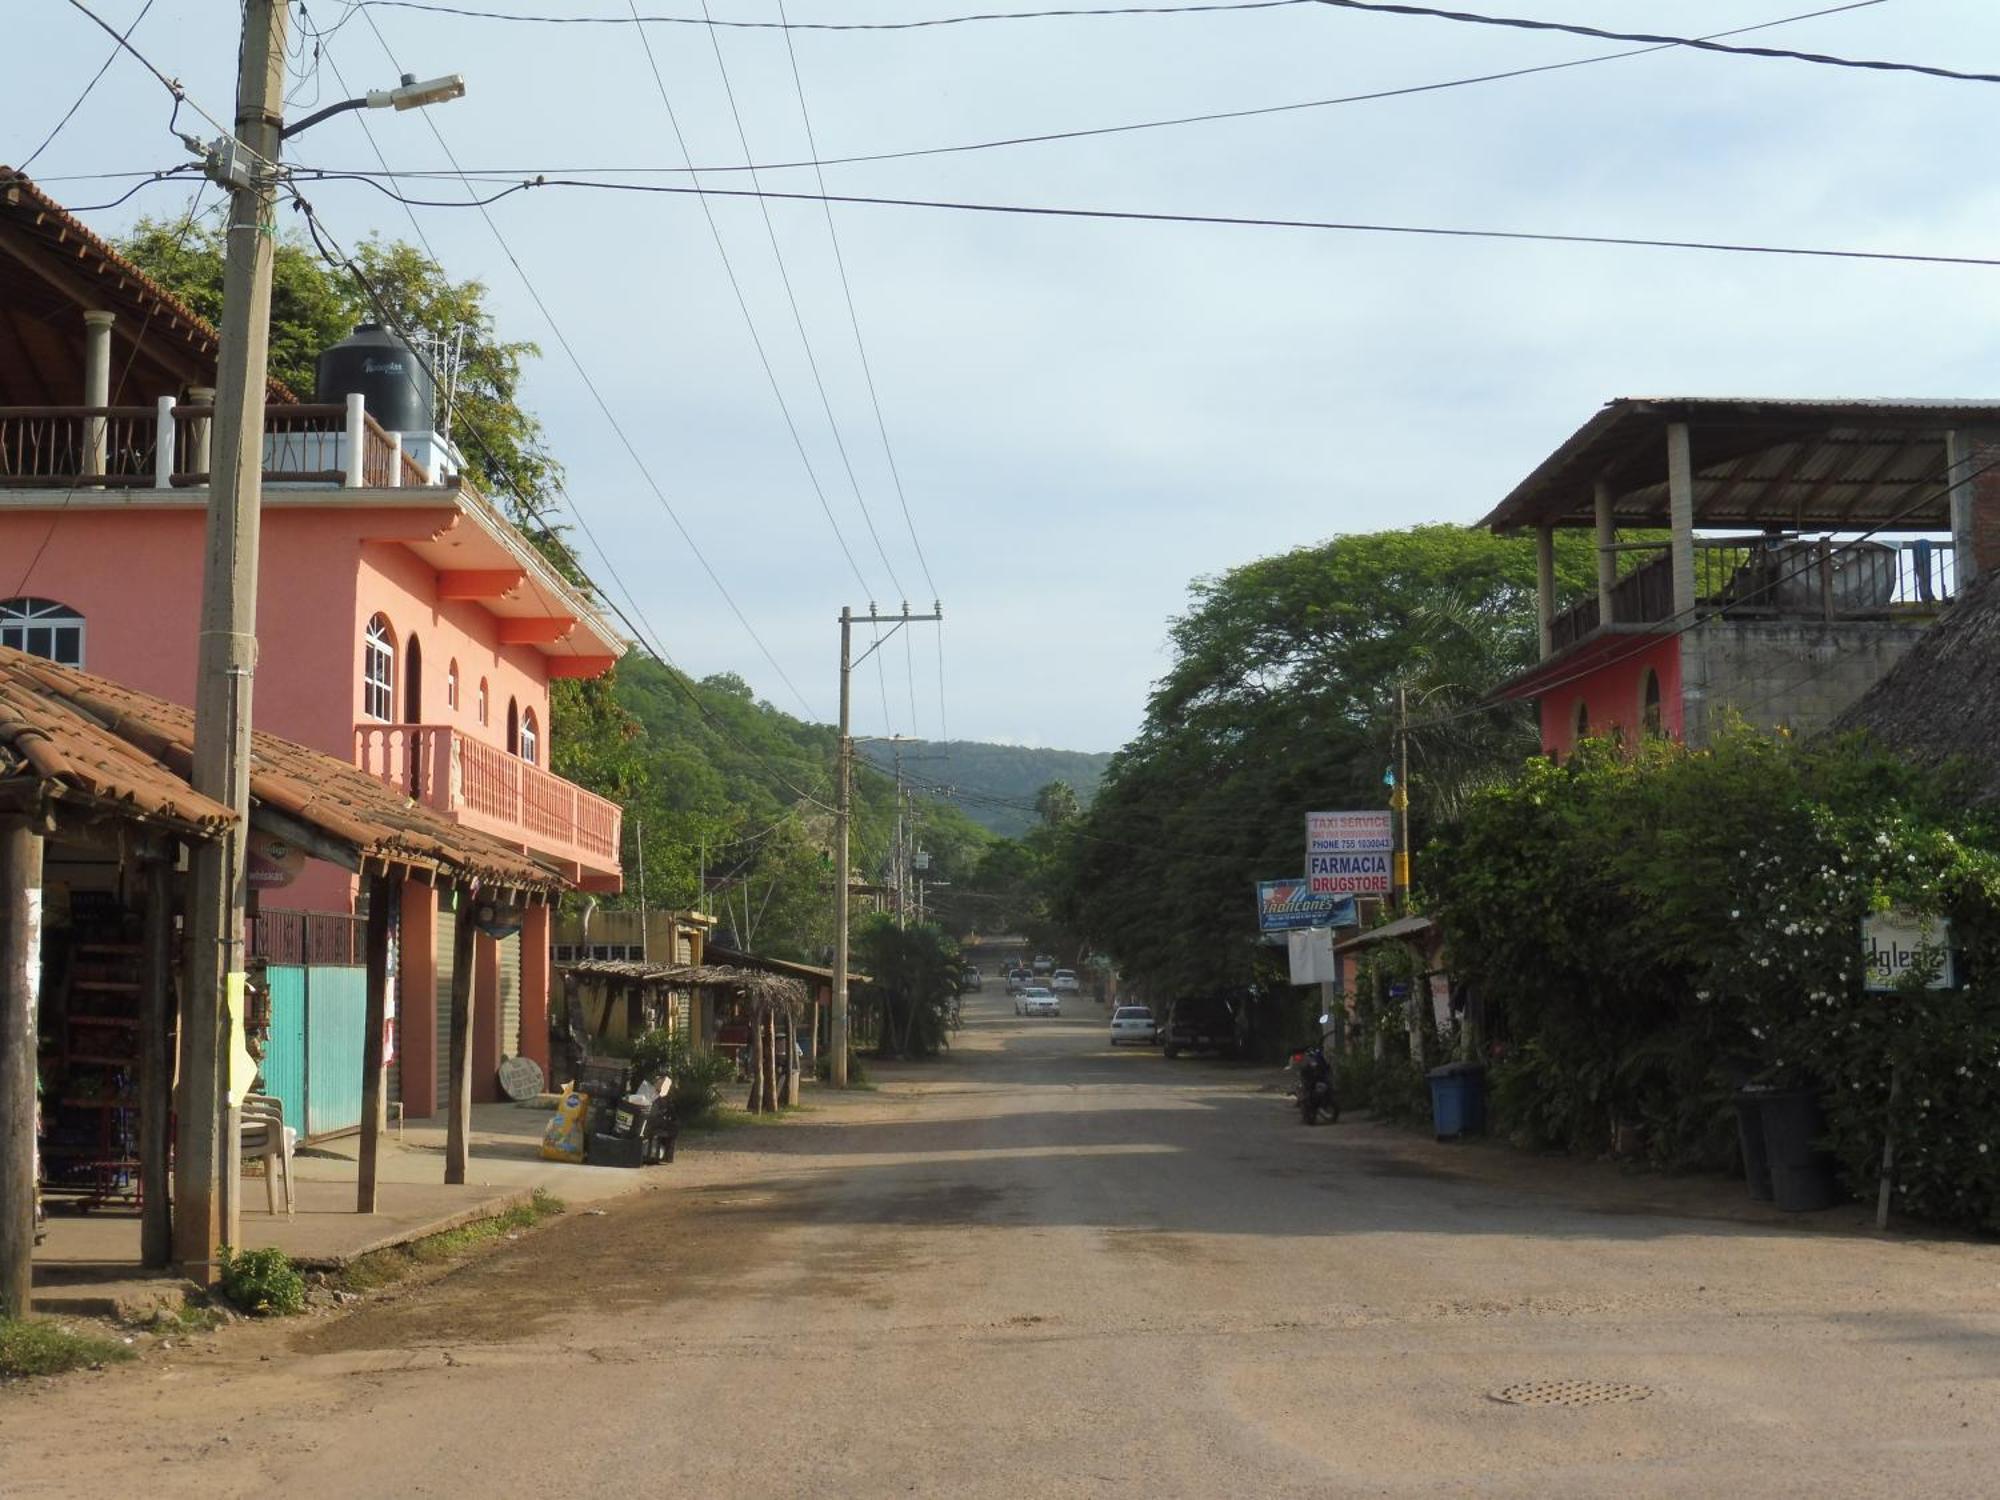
(156, 1064)
(1399, 802)
(843, 800)
(20, 986)
(205, 1215)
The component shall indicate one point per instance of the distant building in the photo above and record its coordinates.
(1791, 552)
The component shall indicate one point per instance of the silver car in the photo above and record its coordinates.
(1133, 1023)
(1037, 1000)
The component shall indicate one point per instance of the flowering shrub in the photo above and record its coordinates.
(1657, 928)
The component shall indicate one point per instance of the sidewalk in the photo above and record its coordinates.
(89, 1264)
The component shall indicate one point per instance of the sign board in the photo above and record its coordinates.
(1350, 874)
(273, 863)
(1895, 943)
(1356, 832)
(1311, 952)
(1283, 905)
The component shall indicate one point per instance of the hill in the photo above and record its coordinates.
(995, 785)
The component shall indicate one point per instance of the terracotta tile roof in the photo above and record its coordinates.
(91, 718)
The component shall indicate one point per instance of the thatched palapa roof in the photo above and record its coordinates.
(1941, 702)
(760, 988)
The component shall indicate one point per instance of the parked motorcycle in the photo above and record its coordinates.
(1312, 1090)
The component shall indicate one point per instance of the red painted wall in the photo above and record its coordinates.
(1613, 692)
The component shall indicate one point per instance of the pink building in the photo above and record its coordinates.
(402, 620)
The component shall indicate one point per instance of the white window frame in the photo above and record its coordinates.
(531, 739)
(451, 686)
(21, 620)
(378, 671)
(482, 700)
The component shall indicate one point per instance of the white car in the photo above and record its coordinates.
(1133, 1023)
(1064, 982)
(1037, 1000)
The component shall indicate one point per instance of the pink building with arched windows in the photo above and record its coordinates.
(402, 620)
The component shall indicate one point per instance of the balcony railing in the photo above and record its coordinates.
(1783, 577)
(166, 446)
(484, 787)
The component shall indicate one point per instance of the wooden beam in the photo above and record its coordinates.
(479, 583)
(268, 819)
(156, 1063)
(458, 1125)
(536, 630)
(20, 1000)
(385, 896)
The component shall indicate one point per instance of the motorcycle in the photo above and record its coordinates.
(1313, 1090)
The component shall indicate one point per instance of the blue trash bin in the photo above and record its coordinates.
(1458, 1100)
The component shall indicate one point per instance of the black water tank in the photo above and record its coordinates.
(393, 385)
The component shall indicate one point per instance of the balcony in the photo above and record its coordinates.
(1777, 578)
(483, 787)
(166, 446)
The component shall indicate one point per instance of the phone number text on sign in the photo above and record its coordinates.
(1347, 832)
(1349, 874)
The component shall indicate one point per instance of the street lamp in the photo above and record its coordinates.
(410, 94)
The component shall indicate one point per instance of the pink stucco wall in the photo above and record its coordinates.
(1614, 694)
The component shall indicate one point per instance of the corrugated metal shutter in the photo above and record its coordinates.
(510, 995)
(284, 1069)
(336, 1022)
(447, 945)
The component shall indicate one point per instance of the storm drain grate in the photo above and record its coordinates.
(1569, 1393)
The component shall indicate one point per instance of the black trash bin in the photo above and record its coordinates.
(1801, 1175)
(1750, 1135)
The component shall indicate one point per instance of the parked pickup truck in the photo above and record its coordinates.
(1199, 1025)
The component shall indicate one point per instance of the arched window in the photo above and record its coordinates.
(530, 741)
(378, 671)
(44, 628)
(1649, 702)
(513, 726)
(1582, 720)
(451, 686)
(413, 682)
(482, 700)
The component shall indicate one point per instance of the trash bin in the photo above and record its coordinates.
(1801, 1175)
(1750, 1136)
(1458, 1100)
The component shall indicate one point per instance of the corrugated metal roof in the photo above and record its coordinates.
(1802, 464)
(142, 748)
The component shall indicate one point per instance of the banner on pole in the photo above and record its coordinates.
(1286, 905)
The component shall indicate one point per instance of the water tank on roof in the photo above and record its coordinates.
(380, 367)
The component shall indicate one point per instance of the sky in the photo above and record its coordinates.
(1087, 415)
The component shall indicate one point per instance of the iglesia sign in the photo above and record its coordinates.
(1896, 943)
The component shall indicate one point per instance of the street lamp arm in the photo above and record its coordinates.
(409, 94)
(323, 114)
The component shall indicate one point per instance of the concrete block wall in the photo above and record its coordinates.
(1796, 673)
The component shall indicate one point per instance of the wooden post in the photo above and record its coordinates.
(769, 1041)
(1607, 557)
(1888, 1184)
(1680, 518)
(794, 1064)
(384, 896)
(20, 987)
(754, 1040)
(458, 1127)
(156, 1068)
(1545, 585)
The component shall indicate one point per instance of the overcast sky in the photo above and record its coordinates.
(1086, 415)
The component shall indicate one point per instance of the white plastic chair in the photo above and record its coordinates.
(268, 1138)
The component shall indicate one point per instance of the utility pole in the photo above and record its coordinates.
(901, 864)
(1399, 801)
(205, 1214)
(843, 801)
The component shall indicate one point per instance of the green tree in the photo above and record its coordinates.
(916, 977)
(1056, 804)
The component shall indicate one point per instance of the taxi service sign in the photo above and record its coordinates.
(1348, 853)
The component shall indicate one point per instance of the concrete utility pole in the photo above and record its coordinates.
(843, 800)
(20, 985)
(1400, 801)
(205, 1215)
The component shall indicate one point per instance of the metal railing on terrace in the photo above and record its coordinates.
(166, 446)
(1776, 577)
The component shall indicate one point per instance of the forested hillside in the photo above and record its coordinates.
(996, 784)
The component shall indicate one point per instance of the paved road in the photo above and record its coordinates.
(1042, 1269)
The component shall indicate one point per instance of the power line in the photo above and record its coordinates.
(1238, 221)
(1823, 59)
(790, 26)
(749, 321)
(798, 319)
(95, 78)
(1172, 121)
(603, 406)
